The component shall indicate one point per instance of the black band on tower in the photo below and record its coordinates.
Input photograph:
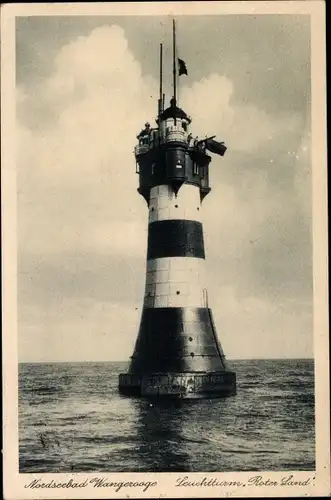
(175, 238)
(176, 337)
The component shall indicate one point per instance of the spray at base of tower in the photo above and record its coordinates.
(177, 352)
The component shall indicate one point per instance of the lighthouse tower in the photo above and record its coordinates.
(177, 352)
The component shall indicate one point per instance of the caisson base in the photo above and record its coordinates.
(179, 385)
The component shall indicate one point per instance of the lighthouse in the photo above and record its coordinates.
(177, 353)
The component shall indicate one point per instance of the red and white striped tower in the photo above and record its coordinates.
(177, 352)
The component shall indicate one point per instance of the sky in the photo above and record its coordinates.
(85, 87)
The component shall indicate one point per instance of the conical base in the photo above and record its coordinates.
(177, 354)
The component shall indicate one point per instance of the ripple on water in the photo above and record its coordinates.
(71, 418)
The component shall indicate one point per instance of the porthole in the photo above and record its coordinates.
(178, 292)
(176, 206)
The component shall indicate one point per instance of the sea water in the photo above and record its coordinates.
(72, 419)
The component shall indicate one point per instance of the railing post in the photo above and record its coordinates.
(205, 297)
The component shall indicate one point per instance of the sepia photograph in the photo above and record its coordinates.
(167, 289)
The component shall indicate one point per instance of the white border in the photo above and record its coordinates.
(13, 481)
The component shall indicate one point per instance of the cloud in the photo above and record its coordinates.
(244, 127)
(79, 212)
(78, 174)
(83, 226)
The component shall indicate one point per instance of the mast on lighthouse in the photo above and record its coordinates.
(177, 352)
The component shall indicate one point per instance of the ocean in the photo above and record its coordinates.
(72, 419)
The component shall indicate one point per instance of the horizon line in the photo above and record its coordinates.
(127, 361)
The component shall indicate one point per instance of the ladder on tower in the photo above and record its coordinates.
(213, 327)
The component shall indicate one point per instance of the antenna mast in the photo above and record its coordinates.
(161, 100)
(174, 63)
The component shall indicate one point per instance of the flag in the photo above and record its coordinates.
(181, 67)
(216, 147)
